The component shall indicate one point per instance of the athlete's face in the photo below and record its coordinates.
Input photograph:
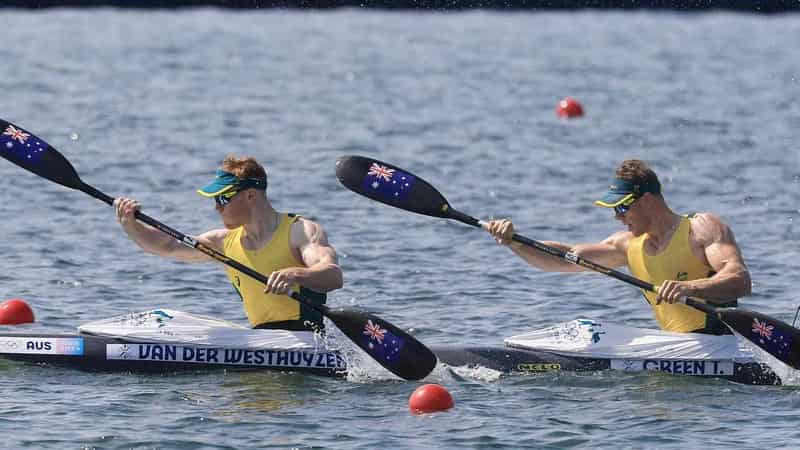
(235, 209)
(224, 199)
(633, 216)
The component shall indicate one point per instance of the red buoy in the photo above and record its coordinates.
(569, 108)
(15, 311)
(430, 398)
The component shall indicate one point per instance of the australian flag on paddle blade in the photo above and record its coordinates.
(387, 183)
(381, 343)
(20, 145)
(771, 338)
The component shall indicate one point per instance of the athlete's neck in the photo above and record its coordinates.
(662, 226)
(261, 226)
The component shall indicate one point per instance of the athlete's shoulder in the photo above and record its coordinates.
(620, 239)
(700, 217)
(214, 238)
(705, 220)
(708, 228)
(306, 230)
(616, 243)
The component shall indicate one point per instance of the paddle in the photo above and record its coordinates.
(396, 187)
(391, 347)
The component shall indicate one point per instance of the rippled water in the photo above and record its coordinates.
(146, 104)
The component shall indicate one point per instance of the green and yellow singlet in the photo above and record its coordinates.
(271, 310)
(675, 262)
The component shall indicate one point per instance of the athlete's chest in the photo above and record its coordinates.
(253, 245)
(680, 240)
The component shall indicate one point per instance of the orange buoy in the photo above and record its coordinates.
(430, 398)
(15, 311)
(569, 108)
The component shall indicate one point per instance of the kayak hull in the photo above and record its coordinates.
(102, 353)
(524, 361)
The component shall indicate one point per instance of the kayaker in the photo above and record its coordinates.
(693, 255)
(293, 251)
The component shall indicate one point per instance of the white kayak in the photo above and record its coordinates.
(165, 340)
(630, 348)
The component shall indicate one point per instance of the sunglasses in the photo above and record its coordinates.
(625, 206)
(224, 199)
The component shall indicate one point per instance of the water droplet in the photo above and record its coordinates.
(74, 136)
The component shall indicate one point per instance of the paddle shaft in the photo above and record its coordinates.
(193, 243)
(575, 259)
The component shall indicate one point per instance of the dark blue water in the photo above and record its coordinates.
(146, 104)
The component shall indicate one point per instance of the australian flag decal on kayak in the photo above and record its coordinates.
(23, 145)
(381, 343)
(391, 184)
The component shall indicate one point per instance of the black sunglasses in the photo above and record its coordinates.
(224, 199)
(625, 206)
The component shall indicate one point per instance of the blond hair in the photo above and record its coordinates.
(244, 167)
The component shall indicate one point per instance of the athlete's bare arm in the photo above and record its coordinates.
(159, 243)
(611, 252)
(321, 272)
(713, 242)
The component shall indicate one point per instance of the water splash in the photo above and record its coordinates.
(475, 373)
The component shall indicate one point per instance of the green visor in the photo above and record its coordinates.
(621, 191)
(226, 182)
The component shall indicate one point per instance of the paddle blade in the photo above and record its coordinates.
(775, 337)
(393, 348)
(35, 155)
(391, 185)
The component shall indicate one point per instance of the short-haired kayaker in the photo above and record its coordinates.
(693, 255)
(293, 251)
